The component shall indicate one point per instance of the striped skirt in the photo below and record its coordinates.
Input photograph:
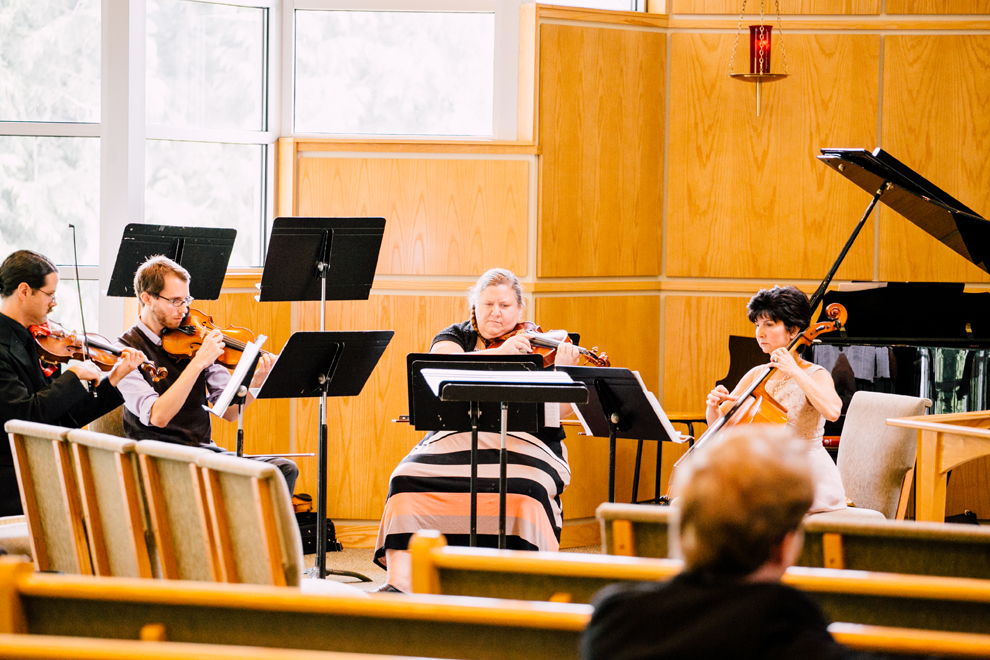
(430, 489)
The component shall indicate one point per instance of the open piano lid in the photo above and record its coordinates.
(917, 199)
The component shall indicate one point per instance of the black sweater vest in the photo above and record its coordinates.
(191, 425)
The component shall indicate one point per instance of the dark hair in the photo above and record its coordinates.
(150, 276)
(786, 304)
(24, 266)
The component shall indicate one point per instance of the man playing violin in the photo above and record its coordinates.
(27, 295)
(172, 410)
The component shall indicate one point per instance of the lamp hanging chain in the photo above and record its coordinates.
(735, 44)
(780, 36)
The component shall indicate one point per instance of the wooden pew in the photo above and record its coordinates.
(923, 643)
(252, 615)
(882, 599)
(890, 546)
(47, 647)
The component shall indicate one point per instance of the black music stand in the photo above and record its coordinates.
(503, 387)
(321, 259)
(428, 412)
(325, 364)
(618, 407)
(204, 252)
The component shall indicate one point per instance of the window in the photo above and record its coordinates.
(208, 149)
(394, 72)
(50, 96)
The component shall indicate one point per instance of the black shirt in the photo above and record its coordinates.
(26, 393)
(699, 616)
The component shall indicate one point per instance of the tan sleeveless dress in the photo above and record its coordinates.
(807, 423)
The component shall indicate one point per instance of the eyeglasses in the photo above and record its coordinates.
(175, 302)
(51, 296)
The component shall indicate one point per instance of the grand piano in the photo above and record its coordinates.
(917, 338)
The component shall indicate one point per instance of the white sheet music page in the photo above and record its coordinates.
(251, 351)
(436, 377)
(667, 426)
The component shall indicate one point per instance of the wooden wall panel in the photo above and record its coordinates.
(364, 444)
(444, 217)
(266, 423)
(938, 6)
(696, 345)
(601, 134)
(792, 7)
(940, 83)
(747, 196)
(634, 344)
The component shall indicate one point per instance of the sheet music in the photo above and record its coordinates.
(584, 423)
(435, 377)
(251, 351)
(667, 426)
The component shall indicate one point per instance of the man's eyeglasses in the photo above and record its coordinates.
(175, 302)
(51, 296)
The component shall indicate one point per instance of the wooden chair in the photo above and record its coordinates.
(49, 647)
(113, 504)
(177, 504)
(50, 497)
(884, 599)
(889, 546)
(276, 617)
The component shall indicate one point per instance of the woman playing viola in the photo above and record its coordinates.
(429, 488)
(804, 389)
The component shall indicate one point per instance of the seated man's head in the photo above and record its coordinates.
(741, 497)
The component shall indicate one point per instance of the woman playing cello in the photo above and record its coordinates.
(804, 389)
(429, 488)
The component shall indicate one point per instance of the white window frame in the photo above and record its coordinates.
(124, 130)
(506, 73)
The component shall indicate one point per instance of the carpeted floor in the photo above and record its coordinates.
(359, 560)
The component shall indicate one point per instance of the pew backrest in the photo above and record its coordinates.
(112, 503)
(886, 546)
(50, 497)
(176, 497)
(911, 601)
(254, 526)
(275, 617)
(49, 647)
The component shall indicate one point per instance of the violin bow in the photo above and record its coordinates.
(82, 314)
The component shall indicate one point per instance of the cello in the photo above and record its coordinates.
(754, 404)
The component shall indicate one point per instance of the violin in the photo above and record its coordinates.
(57, 345)
(186, 340)
(546, 343)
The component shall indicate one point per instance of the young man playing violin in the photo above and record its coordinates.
(27, 391)
(172, 410)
